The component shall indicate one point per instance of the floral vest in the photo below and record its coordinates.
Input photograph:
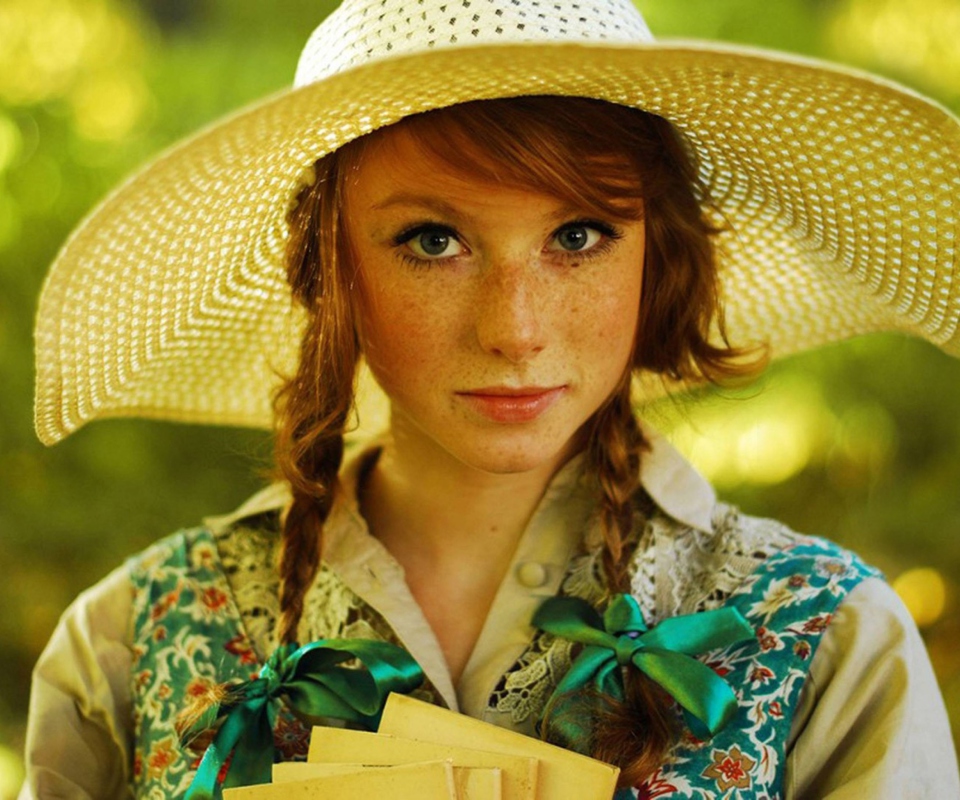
(789, 600)
(188, 634)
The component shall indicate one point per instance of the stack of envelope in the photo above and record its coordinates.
(423, 752)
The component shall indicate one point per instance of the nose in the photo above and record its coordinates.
(509, 312)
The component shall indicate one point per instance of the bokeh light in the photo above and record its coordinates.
(10, 142)
(924, 593)
(763, 439)
(862, 448)
(109, 106)
(49, 44)
(11, 772)
(918, 41)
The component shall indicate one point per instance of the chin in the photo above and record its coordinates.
(511, 455)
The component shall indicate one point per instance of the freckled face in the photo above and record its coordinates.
(496, 319)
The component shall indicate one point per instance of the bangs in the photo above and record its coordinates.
(584, 152)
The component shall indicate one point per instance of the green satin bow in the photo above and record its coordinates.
(621, 638)
(313, 685)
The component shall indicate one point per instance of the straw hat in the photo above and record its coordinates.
(842, 191)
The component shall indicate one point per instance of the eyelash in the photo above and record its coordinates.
(608, 232)
(408, 234)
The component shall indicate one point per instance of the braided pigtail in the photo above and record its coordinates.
(615, 447)
(637, 733)
(312, 408)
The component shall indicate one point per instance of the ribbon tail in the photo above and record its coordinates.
(219, 755)
(697, 688)
(693, 634)
(566, 717)
(585, 670)
(253, 757)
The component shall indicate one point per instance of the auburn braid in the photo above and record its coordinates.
(615, 448)
(313, 407)
(637, 733)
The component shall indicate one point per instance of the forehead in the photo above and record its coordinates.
(394, 159)
(463, 167)
(395, 170)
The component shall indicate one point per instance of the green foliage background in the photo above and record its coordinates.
(89, 89)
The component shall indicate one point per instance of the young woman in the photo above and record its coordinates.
(515, 252)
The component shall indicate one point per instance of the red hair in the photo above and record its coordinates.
(612, 160)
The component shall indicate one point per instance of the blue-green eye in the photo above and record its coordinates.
(431, 242)
(575, 237)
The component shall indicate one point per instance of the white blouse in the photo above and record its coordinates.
(870, 724)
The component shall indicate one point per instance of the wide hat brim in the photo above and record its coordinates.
(840, 193)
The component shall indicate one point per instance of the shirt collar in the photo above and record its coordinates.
(674, 484)
(669, 479)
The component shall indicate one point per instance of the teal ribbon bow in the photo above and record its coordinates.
(315, 687)
(621, 638)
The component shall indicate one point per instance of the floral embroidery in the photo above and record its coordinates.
(198, 687)
(831, 568)
(768, 640)
(168, 601)
(760, 675)
(188, 636)
(817, 624)
(214, 599)
(292, 739)
(781, 594)
(790, 599)
(656, 787)
(240, 646)
(162, 755)
(731, 770)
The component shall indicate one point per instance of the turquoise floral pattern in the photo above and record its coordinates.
(790, 600)
(187, 637)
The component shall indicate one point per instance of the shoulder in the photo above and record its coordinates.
(685, 569)
(225, 543)
(179, 550)
(871, 720)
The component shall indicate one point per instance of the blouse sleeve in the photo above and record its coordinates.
(871, 720)
(79, 727)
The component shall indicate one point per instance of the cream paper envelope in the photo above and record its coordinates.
(471, 783)
(519, 773)
(563, 775)
(430, 781)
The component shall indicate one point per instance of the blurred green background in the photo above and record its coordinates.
(859, 442)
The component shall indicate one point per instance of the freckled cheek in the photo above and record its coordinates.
(403, 341)
(607, 319)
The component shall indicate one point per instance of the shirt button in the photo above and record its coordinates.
(532, 575)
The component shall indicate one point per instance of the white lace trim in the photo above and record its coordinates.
(248, 552)
(676, 570)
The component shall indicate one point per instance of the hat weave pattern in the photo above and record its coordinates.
(840, 194)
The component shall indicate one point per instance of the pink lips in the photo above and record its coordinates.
(508, 405)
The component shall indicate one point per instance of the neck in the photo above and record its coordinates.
(439, 510)
(453, 528)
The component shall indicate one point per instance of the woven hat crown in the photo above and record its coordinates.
(363, 31)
